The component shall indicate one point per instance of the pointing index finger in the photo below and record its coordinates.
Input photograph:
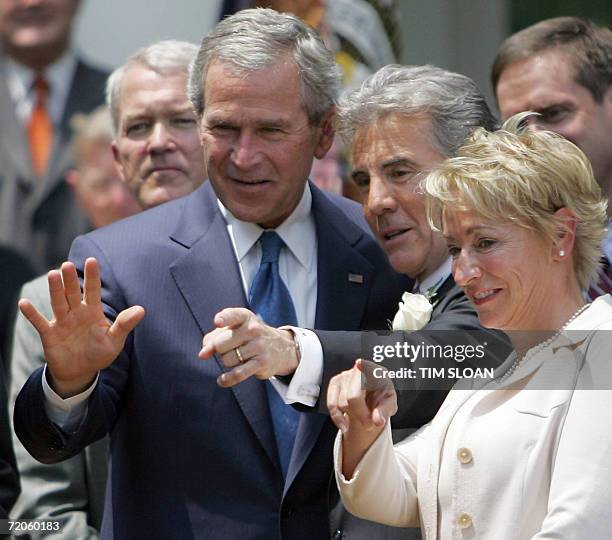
(232, 317)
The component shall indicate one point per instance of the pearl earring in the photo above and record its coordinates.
(562, 253)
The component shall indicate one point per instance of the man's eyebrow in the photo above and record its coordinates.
(137, 115)
(214, 117)
(400, 160)
(272, 122)
(542, 103)
(183, 109)
(147, 112)
(547, 106)
(392, 162)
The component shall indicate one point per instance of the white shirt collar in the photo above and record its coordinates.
(292, 231)
(436, 278)
(59, 75)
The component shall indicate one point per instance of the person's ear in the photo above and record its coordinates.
(326, 132)
(72, 178)
(565, 234)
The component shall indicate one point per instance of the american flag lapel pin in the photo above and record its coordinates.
(355, 278)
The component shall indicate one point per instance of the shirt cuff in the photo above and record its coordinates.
(66, 413)
(305, 386)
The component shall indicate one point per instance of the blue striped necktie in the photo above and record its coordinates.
(270, 299)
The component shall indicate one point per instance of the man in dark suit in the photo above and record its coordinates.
(402, 122)
(43, 83)
(190, 460)
(15, 270)
(155, 77)
(9, 482)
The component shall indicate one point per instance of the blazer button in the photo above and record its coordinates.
(464, 520)
(464, 455)
(337, 535)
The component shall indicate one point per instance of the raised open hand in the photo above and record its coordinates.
(79, 340)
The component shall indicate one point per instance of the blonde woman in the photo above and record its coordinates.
(529, 454)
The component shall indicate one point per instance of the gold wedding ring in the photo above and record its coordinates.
(239, 355)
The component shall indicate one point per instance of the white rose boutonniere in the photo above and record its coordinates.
(413, 314)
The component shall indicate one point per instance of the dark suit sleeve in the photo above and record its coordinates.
(15, 270)
(42, 438)
(456, 323)
(9, 481)
(72, 490)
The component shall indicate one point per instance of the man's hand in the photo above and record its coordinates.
(79, 340)
(264, 351)
(359, 404)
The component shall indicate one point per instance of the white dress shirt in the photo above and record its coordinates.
(297, 263)
(305, 385)
(58, 75)
(297, 267)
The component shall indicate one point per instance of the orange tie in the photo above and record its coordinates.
(40, 129)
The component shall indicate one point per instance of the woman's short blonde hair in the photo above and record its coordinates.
(524, 176)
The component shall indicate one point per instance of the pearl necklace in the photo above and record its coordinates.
(542, 345)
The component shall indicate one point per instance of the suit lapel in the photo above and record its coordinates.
(446, 287)
(307, 434)
(340, 301)
(440, 299)
(208, 278)
(344, 276)
(14, 143)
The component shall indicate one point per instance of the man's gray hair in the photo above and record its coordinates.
(163, 57)
(253, 39)
(452, 102)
